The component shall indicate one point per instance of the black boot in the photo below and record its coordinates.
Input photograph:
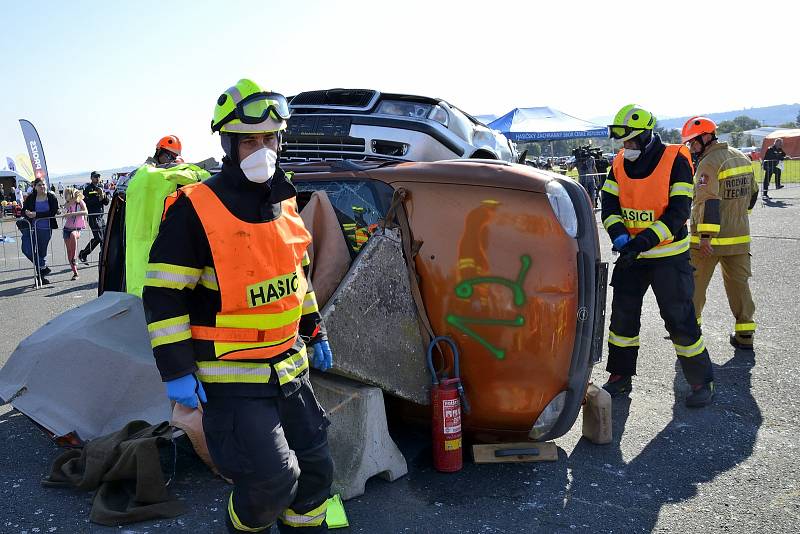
(618, 385)
(739, 345)
(701, 395)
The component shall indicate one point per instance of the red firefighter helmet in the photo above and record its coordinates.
(697, 126)
(171, 143)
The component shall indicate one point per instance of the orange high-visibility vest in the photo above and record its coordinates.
(643, 201)
(259, 274)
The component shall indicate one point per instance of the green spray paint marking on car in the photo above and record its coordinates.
(465, 289)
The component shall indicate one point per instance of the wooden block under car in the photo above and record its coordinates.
(515, 452)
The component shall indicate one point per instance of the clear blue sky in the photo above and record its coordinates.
(102, 81)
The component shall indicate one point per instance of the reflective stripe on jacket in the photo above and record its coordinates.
(724, 189)
(260, 278)
(643, 201)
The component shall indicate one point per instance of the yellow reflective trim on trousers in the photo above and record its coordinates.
(261, 321)
(221, 348)
(306, 260)
(661, 230)
(687, 351)
(310, 303)
(733, 171)
(291, 367)
(237, 524)
(622, 341)
(611, 187)
(671, 249)
(312, 518)
(723, 240)
(611, 220)
(233, 372)
(681, 189)
(744, 327)
(704, 227)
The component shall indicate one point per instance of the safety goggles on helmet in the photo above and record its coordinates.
(622, 133)
(256, 108)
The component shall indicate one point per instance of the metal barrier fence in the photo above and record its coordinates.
(12, 257)
(789, 171)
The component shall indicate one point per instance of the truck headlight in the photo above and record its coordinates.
(562, 207)
(548, 417)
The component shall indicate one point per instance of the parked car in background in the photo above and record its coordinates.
(361, 124)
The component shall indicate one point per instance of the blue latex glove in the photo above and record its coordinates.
(621, 240)
(185, 390)
(323, 357)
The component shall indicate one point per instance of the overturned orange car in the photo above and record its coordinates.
(502, 258)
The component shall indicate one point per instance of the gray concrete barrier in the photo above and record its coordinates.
(359, 437)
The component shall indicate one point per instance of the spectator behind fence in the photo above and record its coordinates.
(772, 159)
(40, 209)
(74, 221)
(95, 200)
(587, 172)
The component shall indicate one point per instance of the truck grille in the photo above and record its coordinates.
(344, 98)
(323, 147)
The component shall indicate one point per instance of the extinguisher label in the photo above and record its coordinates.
(452, 416)
(452, 444)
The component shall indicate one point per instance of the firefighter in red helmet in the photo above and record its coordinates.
(168, 151)
(725, 189)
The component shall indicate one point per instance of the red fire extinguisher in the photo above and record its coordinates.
(446, 396)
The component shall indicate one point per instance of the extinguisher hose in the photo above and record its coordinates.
(456, 368)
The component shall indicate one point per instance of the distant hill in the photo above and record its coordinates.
(83, 177)
(767, 116)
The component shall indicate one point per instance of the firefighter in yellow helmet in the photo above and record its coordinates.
(645, 204)
(231, 314)
(725, 190)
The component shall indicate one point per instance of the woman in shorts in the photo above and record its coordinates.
(74, 221)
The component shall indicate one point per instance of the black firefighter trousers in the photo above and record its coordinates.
(98, 227)
(672, 281)
(275, 449)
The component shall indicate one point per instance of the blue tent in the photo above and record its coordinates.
(545, 124)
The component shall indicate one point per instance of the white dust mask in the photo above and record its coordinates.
(631, 154)
(259, 166)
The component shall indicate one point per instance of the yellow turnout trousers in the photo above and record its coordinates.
(735, 274)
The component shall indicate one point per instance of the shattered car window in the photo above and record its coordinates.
(359, 205)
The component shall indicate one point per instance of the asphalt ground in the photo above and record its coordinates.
(731, 467)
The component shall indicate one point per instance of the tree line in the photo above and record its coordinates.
(736, 127)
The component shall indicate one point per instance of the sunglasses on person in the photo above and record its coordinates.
(616, 131)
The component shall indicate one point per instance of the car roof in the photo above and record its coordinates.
(468, 172)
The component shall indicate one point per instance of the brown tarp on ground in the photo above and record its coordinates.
(125, 470)
(791, 142)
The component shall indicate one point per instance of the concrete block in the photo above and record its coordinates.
(359, 437)
(372, 323)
